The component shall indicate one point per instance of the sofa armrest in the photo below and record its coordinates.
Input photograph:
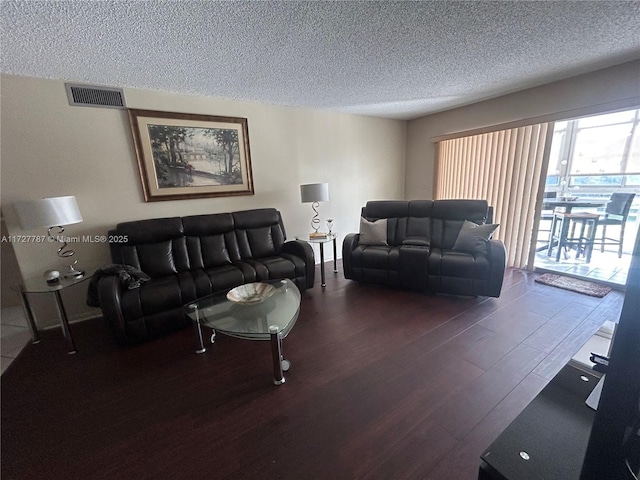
(349, 243)
(109, 293)
(497, 254)
(304, 251)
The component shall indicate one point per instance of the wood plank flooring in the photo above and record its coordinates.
(384, 384)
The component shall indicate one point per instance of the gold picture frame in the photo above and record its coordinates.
(185, 156)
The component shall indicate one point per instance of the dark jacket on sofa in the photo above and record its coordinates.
(419, 254)
(191, 257)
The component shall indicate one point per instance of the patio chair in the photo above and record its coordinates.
(616, 213)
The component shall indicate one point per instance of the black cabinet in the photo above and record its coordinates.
(549, 439)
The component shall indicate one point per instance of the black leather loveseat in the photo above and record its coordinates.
(422, 252)
(190, 257)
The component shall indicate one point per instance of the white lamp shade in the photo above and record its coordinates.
(314, 192)
(47, 212)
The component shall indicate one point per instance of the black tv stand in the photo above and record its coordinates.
(549, 438)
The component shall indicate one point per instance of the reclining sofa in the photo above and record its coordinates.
(190, 257)
(420, 251)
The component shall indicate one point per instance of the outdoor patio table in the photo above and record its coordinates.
(568, 206)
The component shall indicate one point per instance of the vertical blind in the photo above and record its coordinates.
(505, 168)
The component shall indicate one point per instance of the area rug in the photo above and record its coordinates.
(573, 284)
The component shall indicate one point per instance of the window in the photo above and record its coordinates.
(598, 151)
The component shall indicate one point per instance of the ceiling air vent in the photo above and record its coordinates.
(90, 96)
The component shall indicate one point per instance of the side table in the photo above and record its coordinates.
(331, 237)
(39, 285)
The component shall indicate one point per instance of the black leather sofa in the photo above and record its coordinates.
(190, 257)
(419, 254)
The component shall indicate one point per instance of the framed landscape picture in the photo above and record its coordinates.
(182, 156)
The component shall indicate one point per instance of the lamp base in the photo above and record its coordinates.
(73, 273)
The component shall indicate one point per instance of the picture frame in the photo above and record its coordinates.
(186, 156)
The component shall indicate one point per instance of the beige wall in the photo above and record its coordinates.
(589, 93)
(10, 274)
(52, 149)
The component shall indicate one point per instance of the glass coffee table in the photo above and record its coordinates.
(271, 319)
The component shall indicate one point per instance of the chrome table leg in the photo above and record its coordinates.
(35, 337)
(276, 353)
(198, 329)
(64, 320)
(323, 284)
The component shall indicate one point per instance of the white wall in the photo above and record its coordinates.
(50, 149)
(593, 91)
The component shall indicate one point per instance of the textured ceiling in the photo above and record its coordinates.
(392, 59)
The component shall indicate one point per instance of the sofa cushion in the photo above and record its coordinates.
(418, 227)
(271, 268)
(373, 233)
(448, 217)
(156, 295)
(205, 225)
(260, 233)
(156, 259)
(151, 230)
(457, 272)
(473, 210)
(376, 264)
(207, 252)
(417, 241)
(155, 246)
(261, 242)
(421, 208)
(376, 256)
(473, 238)
(210, 240)
(386, 209)
(210, 280)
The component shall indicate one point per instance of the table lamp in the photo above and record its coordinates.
(52, 213)
(314, 193)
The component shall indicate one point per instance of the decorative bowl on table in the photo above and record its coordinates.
(251, 293)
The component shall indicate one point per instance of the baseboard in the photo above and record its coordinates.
(81, 317)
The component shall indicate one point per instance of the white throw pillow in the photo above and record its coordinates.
(473, 238)
(373, 233)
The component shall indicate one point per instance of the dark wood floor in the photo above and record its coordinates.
(384, 384)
